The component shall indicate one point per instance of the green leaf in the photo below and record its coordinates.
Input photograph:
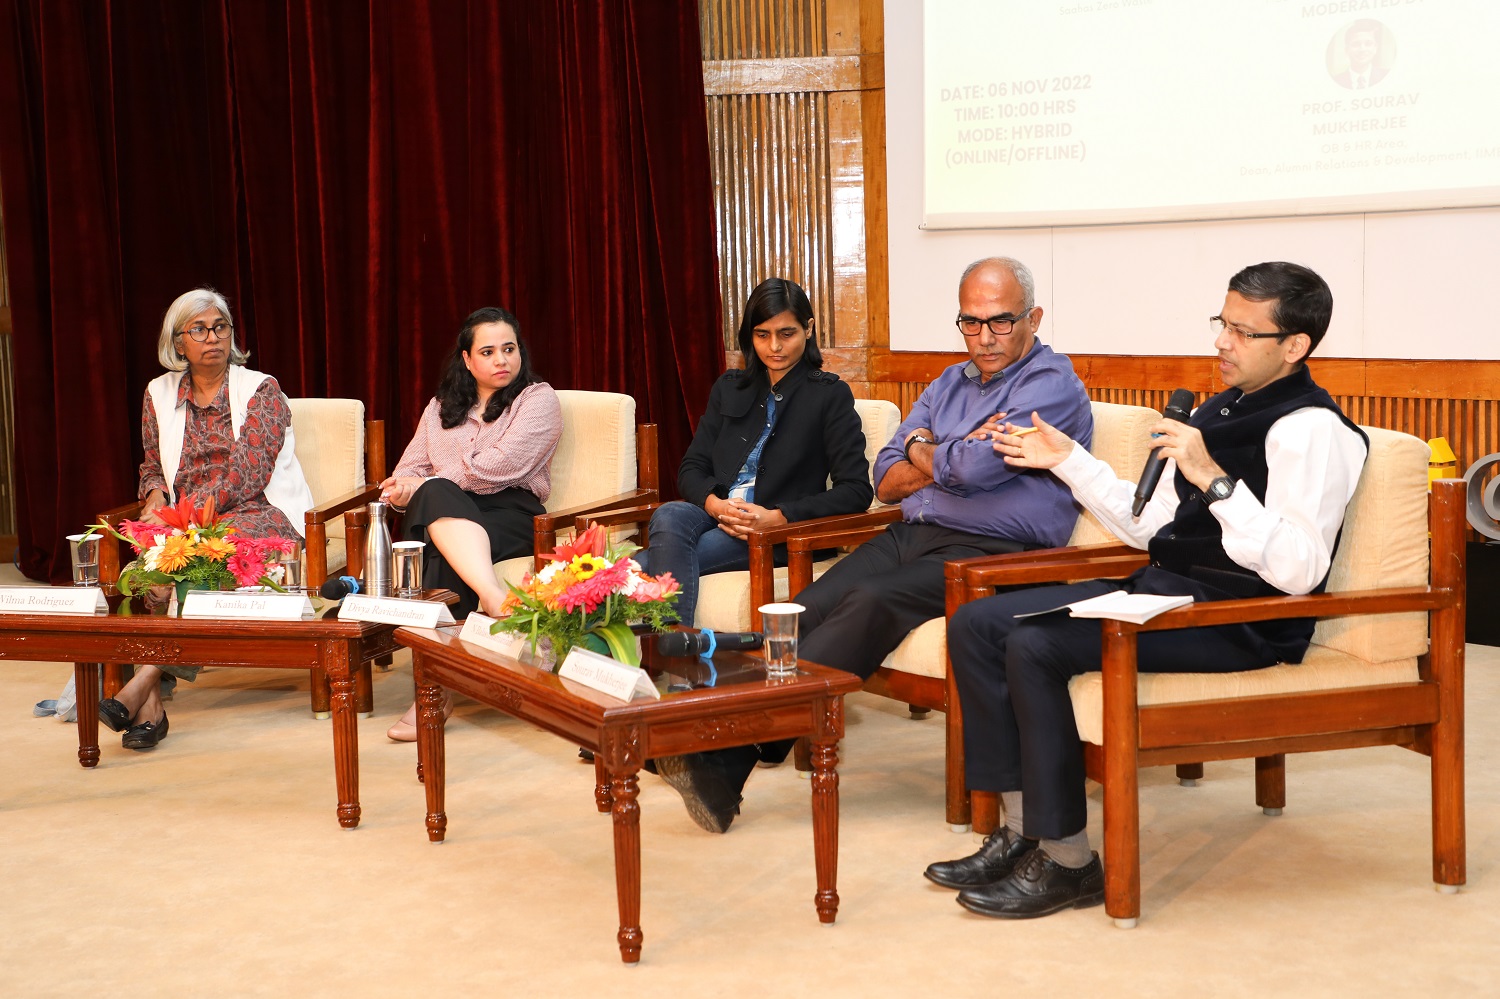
(621, 642)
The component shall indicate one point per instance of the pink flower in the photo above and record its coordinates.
(279, 546)
(141, 534)
(246, 567)
(650, 588)
(592, 592)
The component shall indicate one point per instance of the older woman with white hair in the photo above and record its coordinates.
(210, 427)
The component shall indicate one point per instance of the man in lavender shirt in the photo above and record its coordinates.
(958, 500)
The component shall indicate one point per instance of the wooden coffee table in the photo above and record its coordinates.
(742, 706)
(337, 648)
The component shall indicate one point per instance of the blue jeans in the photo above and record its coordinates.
(687, 542)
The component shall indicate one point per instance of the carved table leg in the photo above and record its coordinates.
(320, 693)
(624, 790)
(86, 690)
(345, 732)
(364, 691)
(430, 761)
(825, 809)
(114, 679)
(601, 785)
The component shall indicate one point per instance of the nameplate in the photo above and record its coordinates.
(476, 631)
(268, 606)
(607, 676)
(52, 600)
(394, 610)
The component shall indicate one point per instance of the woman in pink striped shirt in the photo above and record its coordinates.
(477, 470)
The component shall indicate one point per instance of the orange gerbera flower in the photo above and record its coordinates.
(175, 553)
(214, 549)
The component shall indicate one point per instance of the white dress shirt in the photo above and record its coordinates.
(1313, 465)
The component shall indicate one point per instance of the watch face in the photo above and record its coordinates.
(1220, 488)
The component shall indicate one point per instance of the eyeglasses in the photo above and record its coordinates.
(1217, 325)
(221, 331)
(1000, 325)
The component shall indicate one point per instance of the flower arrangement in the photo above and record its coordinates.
(589, 594)
(196, 548)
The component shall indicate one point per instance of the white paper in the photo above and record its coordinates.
(1138, 608)
(256, 606)
(394, 610)
(607, 675)
(52, 600)
(477, 631)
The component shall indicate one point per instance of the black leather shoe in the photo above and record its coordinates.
(114, 714)
(1001, 851)
(145, 735)
(706, 792)
(1039, 886)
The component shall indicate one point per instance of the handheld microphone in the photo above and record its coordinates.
(1179, 407)
(338, 589)
(706, 642)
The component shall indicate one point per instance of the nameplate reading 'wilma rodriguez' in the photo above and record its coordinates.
(394, 610)
(607, 676)
(52, 600)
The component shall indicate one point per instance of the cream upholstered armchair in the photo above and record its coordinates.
(727, 601)
(1385, 668)
(343, 459)
(917, 671)
(604, 460)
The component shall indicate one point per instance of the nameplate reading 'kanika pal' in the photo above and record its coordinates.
(52, 600)
(222, 606)
(607, 675)
(393, 610)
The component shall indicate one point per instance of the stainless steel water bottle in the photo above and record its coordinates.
(378, 552)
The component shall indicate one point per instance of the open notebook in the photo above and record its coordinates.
(1137, 608)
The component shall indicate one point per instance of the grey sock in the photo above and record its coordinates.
(1011, 801)
(1070, 851)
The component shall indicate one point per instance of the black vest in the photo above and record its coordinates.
(1234, 427)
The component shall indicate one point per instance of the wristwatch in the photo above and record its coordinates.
(915, 439)
(1218, 489)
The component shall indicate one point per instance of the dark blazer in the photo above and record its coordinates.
(817, 435)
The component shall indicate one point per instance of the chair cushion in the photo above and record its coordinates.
(880, 419)
(1384, 543)
(331, 449)
(1321, 669)
(1122, 438)
(923, 652)
(595, 456)
(724, 597)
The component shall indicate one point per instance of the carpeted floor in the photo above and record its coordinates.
(214, 866)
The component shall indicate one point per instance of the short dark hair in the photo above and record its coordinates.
(1304, 302)
(457, 392)
(771, 298)
(1364, 24)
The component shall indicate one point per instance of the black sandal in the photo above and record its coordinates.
(114, 714)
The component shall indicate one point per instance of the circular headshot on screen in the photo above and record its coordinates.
(1360, 54)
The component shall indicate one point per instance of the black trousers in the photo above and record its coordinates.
(506, 517)
(1012, 678)
(861, 609)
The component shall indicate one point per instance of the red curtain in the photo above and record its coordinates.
(356, 177)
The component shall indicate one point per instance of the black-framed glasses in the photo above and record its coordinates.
(1000, 325)
(220, 331)
(1217, 325)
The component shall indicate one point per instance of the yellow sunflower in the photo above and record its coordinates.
(584, 566)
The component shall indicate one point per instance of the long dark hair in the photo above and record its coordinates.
(771, 298)
(457, 392)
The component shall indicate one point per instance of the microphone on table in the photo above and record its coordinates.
(339, 588)
(1179, 408)
(707, 642)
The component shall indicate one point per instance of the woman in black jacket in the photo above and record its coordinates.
(774, 434)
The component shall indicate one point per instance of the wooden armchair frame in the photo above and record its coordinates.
(1425, 716)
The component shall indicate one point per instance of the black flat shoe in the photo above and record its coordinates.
(1001, 851)
(146, 735)
(1039, 886)
(114, 714)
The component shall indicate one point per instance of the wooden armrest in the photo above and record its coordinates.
(340, 505)
(1389, 601)
(554, 519)
(844, 529)
(640, 513)
(957, 568)
(982, 581)
(129, 511)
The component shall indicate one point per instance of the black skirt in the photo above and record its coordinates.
(506, 517)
